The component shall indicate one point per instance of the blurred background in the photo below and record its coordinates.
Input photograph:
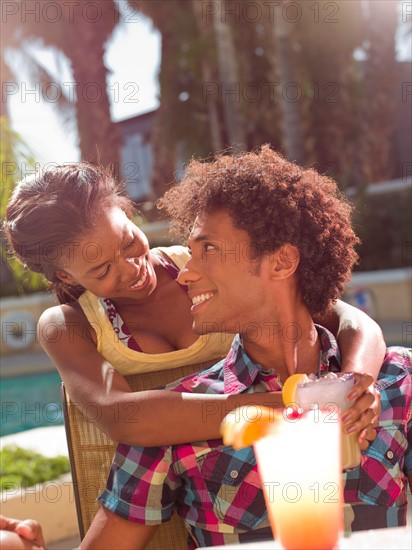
(144, 86)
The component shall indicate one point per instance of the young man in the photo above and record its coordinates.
(272, 246)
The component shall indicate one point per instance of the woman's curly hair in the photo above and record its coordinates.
(276, 202)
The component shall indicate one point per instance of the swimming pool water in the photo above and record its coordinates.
(30, 402)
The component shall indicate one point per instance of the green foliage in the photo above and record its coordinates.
(22, 281)
(27, 468)
(15, 159)
(13, 154)
(383, 224)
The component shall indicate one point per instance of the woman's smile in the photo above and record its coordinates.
(144, 279)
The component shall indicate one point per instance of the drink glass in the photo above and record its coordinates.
(300, 471)
(329, 392)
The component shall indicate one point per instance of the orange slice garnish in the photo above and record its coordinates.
(290, 388)
(244, 425)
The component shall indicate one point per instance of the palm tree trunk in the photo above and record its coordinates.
(99, 137)
(207, 76)
(331, 77)
(165, 151)
(379, 97)
(291, 116)
(229, 81)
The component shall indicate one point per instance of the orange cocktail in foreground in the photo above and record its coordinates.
(300, 468)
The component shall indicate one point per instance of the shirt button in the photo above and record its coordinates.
(389, 454)
(234, 474)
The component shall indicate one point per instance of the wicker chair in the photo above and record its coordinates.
(91, 453)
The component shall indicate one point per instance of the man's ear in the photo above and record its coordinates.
(284, 261)
(65, 277)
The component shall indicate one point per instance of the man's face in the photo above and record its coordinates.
(226, 285)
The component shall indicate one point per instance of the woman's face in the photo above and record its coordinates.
(112, 261)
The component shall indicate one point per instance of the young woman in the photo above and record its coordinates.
(122, 311)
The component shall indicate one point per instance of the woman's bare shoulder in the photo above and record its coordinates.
(65, 320)
(63, 313)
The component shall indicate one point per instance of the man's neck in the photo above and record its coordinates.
(288, 345)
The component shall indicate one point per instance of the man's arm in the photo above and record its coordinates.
(362, 349)
(408, 454)
(109, 531)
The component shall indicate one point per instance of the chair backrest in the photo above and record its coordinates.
(91, 453)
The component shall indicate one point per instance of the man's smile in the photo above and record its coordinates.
(200, 298)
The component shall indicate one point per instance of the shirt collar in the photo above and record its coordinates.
(240, 371)
(330, 358)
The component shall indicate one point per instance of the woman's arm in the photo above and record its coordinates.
(360, 339)
(146, 418)
(16, 534)
(362, 349)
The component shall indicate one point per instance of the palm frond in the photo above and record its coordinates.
(14, 155)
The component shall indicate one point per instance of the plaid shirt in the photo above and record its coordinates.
(375, 493)
(217, 490)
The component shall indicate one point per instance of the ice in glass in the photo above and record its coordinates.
(330, 392)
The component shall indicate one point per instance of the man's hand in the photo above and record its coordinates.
(362, 416)
(28, 529)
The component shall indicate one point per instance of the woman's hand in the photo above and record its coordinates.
(21, 534)
(362, 416)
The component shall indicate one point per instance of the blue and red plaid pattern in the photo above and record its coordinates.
(217, 490)
(375, 493)
(214, 488)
